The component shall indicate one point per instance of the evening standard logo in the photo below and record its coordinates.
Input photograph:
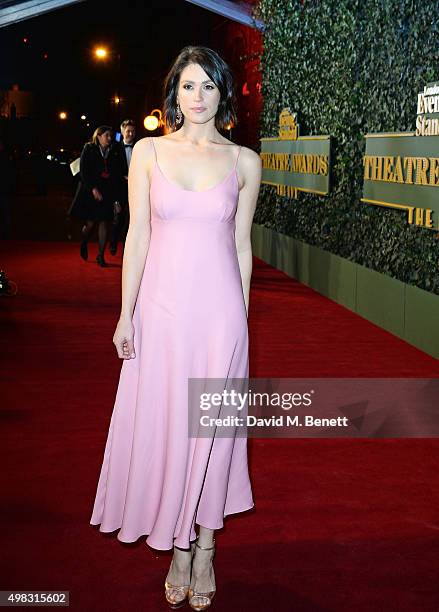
(427, 120)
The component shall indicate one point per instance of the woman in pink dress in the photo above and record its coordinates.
(185, 290)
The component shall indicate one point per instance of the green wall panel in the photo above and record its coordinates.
(380, 299)
(328, 274)
(422, 319)
(402, 309)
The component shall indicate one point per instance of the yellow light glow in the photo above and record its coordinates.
(63, 115)
(116, 100)
(151, 123)
(101, 52)
(83, 117)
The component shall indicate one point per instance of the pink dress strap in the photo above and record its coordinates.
(153, 146)
(237, 157)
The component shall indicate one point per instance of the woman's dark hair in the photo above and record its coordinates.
(99, 131)
(217, 70)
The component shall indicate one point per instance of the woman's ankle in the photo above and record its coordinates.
(182, 558)
(203, 558)
(182, 549)
(208, 544)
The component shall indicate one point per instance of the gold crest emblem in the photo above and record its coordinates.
(288, 127)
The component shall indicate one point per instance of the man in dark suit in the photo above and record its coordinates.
(121, 219)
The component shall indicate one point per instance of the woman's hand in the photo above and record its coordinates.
(97, 194)
(123, 339)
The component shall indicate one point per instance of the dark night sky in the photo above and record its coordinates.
(70, 79)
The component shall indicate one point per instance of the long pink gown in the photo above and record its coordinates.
(189, 321)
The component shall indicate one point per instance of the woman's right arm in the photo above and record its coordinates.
(136, 244)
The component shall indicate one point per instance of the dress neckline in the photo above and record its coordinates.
(229, 174)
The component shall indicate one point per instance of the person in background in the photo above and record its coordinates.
(121, 218)
(99, 189)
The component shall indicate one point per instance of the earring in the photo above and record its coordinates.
(179, 114)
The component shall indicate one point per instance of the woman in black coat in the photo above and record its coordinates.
(99, 189)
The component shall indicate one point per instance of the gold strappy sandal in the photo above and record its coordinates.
(176, 595)
(201, 601)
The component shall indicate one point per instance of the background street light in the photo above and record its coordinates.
(63, 115)
(151, 122)
(101, 53)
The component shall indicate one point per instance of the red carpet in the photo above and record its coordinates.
(339, 525)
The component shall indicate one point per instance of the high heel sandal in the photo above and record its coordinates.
(197, 600)
(176, 595)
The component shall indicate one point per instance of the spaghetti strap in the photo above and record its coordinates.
(153, 146)
(237, 157)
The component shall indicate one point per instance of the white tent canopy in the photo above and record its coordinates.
(14, 11)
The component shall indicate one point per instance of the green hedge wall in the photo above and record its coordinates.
(348, 68)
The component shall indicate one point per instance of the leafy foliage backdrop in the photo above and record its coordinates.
(349, 67)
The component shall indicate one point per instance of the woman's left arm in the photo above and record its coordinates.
(250, 171)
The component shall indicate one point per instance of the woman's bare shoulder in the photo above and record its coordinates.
(144, 143)
(249, 159)
(142, 159)
(144, 148)
(249, 153)
(249, 167)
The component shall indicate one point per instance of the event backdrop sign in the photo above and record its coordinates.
(295, 163)
(401, 170)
